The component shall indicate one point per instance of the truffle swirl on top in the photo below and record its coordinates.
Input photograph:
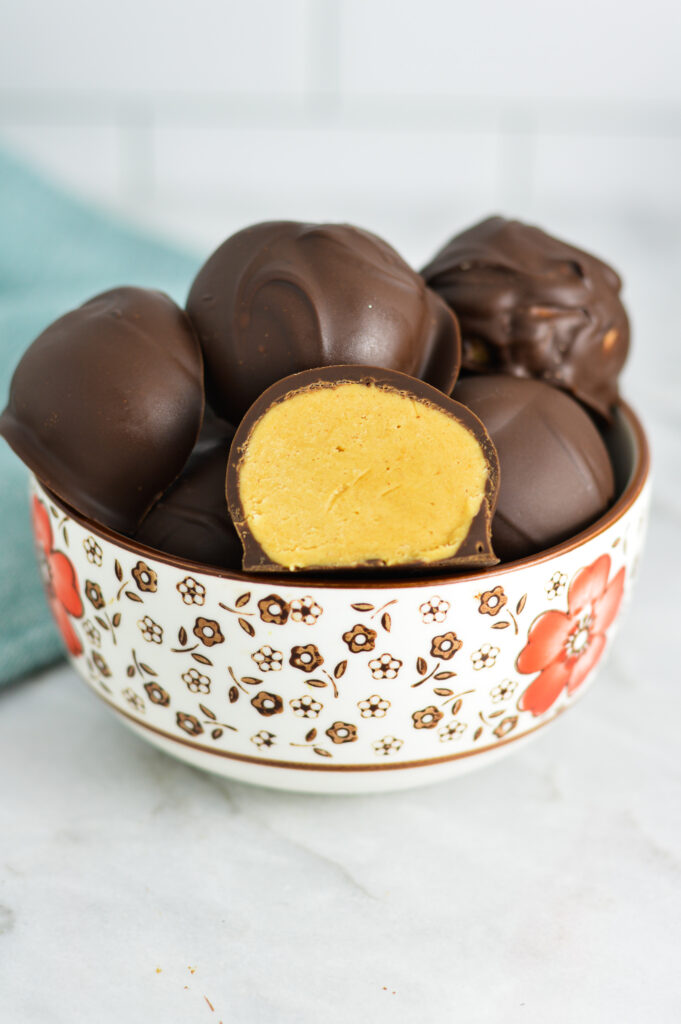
(282, 297)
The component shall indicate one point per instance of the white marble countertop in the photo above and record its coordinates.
(544, 888)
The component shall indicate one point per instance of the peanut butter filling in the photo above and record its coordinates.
(349, 474)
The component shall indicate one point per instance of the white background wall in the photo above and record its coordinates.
(409, 118)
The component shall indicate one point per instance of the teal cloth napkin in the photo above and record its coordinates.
(55, 253)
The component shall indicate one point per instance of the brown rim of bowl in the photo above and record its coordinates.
(638, 478)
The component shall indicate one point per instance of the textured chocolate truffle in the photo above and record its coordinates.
(281, 297)
(348, 467)
(532, 306)
(192, 519)
(106, 404)
(555, 473)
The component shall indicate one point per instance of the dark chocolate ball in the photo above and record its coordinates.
(282, 297)
(532, 306)
(192, 519)
(554, 470)
(106, 404)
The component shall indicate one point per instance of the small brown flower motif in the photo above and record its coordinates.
(556, 585)
(274, 609)
(445, 646)
(208, 632)
(189, 723)
(157, 695)
(150, 630)
(93, 592)
(93, 551)
(132, 698)
(191, 591)
(388, 745)
(305, 610)
(195, 681)
(492, 601)
(385, 666)
(100, 664)
(451, 731)
(342, 732)
(263, 739)
(503, 691)
(434, 610)
(360, 638)
(92, 633)
(267, 703)
(307, 658)
(306, 707)
(373, 707)
(144, 577)
(267, 659)
(485, 657)
(427, 718)
(505, 726)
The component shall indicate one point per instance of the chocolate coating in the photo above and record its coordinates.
(106, 404)
(281, 297)
(475, 550)
(192, 519)
(532, 306)
(555, 473)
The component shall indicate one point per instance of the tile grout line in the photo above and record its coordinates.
(323, 58)
(323, 96)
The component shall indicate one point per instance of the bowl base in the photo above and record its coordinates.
(328, 781)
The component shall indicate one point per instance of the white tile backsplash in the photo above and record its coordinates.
(87, 158)
(586, 50)
(412, 120)
(148, 47)
(636, 171)
(307, 163)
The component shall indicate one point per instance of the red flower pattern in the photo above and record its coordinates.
(564, 646)
(62, 583)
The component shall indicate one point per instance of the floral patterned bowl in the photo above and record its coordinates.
(349, 686)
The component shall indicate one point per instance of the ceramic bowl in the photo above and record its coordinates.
(349, 686)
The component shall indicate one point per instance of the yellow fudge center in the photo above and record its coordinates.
(347, 474)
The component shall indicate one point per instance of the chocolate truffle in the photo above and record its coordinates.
(281, 297)
(106, 404)
(555, 473)
(192, 520)
(532, 306)
(350, 466)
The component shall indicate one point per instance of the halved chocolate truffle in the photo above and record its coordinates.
(532, 306)
(106, 404)
(555, 473)
(281, 297)
(192, 520)
(352, 466)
